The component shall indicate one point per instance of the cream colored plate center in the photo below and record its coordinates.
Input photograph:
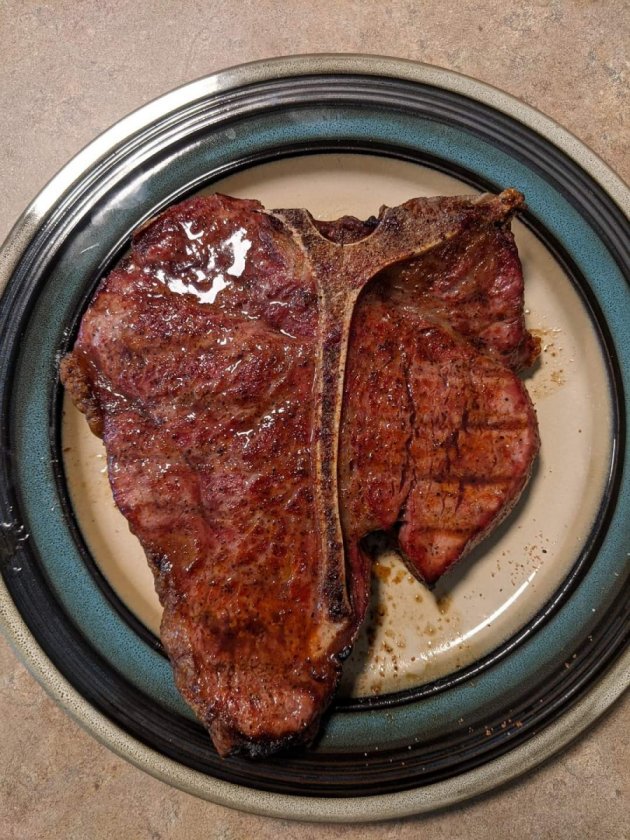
(413, 635)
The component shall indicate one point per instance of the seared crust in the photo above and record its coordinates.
(213, 361)
(75, 375)
(452, 433)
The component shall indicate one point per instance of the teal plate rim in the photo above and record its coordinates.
(46, 212)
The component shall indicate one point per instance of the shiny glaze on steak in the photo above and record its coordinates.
(212, 361)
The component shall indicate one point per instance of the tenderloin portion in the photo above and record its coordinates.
(452, 434)
(250, 465)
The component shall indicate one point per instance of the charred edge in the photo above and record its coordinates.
(77, 377)
(413, 570)
(263, 748)
(334, 587)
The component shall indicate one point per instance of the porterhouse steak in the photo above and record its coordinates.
(270, 389)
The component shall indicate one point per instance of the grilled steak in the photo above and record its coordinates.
(250, 465)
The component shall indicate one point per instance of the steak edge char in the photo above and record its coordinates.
(212, 361)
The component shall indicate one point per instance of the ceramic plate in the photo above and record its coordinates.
(448, 693)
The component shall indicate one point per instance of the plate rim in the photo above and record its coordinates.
(493, 773)
(301, 65)
(444, 794)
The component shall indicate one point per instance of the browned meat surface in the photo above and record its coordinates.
(438, 438)
(212, 361)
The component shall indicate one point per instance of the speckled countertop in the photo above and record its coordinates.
(69, 69)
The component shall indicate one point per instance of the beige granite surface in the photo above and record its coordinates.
(70, 69)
